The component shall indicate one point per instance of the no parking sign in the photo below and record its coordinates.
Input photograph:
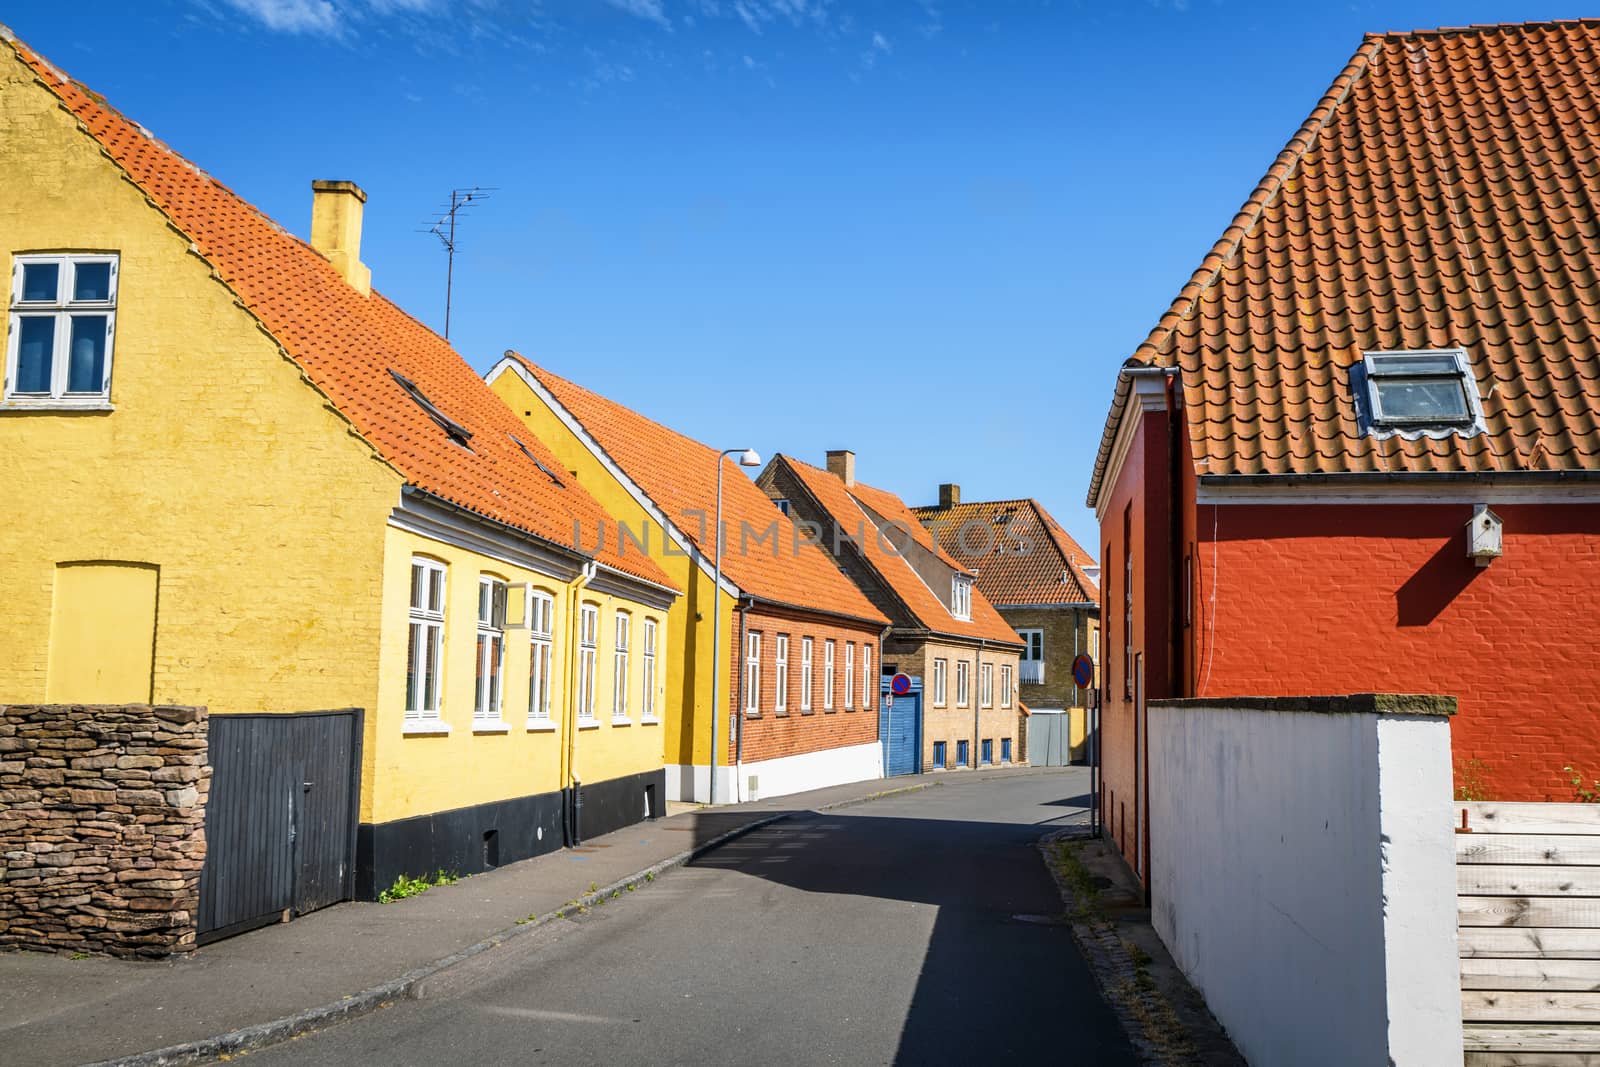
(1083, 671)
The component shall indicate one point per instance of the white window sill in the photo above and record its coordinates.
(588, 724)
(425, 728)
(620, 720)
(490, 726)
(649, 720)
(51, 403)
(541, 726)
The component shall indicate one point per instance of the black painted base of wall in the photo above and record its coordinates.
(478, 838)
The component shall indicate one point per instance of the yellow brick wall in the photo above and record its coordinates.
(220, 465)
(689, 696)
(416, 773)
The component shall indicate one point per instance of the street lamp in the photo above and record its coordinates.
(748, 457)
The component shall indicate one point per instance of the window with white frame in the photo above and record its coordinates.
(1094, 644)
(541, 639)
(780, 672)
(869, 689)
(1420, 390)
(827, 676)
(648, 654)
(849, 675)
(963, 683)
(491, 648)
(805, 673)
(752, 673)
(1032, 645)
(588, 649)
(941, 678)
(961, 597)
(425, 648)
(63, 319)
(986, 685)
(619, 667)
(1005, 686)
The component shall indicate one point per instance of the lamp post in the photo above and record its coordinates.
(747, 458)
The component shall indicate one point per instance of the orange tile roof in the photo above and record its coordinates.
(1443, 194)
(347, 344)
(679, 475)
(1030, 559)
(843, 506)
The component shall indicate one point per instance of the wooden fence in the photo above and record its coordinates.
(1529, 905)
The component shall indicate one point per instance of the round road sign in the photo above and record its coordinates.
(1083, 671)
(900, 685)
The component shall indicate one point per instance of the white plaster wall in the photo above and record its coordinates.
(778, 777)
(1277, 892)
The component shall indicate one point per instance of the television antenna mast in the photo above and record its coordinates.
(444, 228)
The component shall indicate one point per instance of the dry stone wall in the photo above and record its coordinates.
(102, 827)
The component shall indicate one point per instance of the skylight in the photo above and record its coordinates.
(1420, 390)
(458, 433)
(548, 473)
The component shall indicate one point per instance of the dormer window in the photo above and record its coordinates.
(458, 433)
(961, 597)
(63, 318)
(1420, 390)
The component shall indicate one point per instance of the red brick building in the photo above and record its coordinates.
(1398, 338)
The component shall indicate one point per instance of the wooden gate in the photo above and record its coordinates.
(281, 819)
(1529, 915)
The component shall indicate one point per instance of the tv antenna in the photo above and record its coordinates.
(444, 228)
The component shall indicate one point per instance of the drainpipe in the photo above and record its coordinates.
(977, 700)
(738, 705)
(570, 782)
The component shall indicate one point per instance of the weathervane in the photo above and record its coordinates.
(444, 228)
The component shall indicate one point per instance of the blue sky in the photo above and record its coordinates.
(927, 231)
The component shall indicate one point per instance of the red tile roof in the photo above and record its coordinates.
(679, 476)
(347, 344)
(1443, 194)
(1020, 554)
(844, 509)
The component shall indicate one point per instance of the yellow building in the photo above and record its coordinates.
(257, 485)
(795, 698)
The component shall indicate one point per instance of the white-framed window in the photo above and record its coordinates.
(425, 648)
(63, 320)
(805, 673)
(849, 675)
(1094, 644)
(588, 650)
(648, 658)
(961, 597)
(1032, 645)
(1005, 685)
(869, 688)
(941, 680)
(1421, 389)
(619, 666)
(752, 673)
(541, 642)
(491, 671)
(963, 683)
(986, 685)
(780, 673)
(827, 676)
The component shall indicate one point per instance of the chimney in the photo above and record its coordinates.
(842, 465)
(336, 230)
(949, 495)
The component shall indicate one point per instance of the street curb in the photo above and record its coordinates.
(407, 985)
(410, 984)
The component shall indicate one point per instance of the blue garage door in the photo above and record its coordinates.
(900, 730)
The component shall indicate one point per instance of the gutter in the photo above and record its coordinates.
(1132, 369)
(1405, 478)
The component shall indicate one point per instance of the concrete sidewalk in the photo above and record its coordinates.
(58, 1010)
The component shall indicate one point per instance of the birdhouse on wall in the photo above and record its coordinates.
(1484, 535)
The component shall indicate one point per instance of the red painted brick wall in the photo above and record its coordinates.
(1319, 599)
(769, 734)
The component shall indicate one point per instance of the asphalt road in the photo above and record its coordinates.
(891, 932)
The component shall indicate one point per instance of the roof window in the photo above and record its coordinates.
(526, 451)
(1420, 390)
(458, 433)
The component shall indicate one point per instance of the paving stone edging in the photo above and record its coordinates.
(409, 984)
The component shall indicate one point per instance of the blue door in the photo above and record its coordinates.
(900, 732)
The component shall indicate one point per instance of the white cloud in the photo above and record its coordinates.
(649, 10)
(292, 16)
(880, 43)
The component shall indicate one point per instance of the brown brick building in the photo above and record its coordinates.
(1042, 582)
(942, 629)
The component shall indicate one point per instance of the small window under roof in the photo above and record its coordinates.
(458, 433)
(526, 451)
(1420, 390)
